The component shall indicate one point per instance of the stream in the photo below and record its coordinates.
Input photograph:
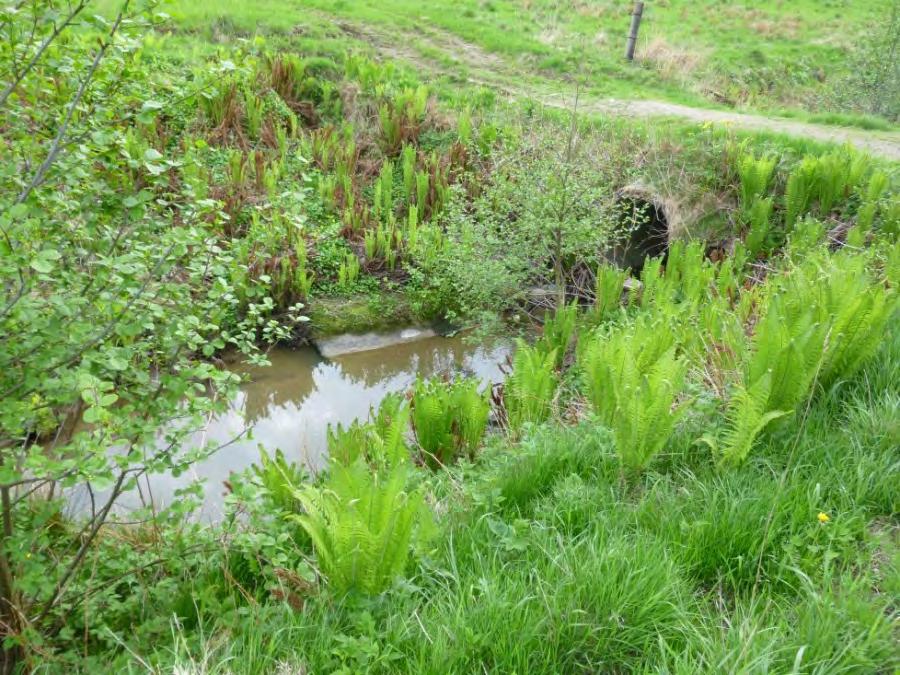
(290, 404)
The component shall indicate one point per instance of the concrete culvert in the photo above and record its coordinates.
(647, 216)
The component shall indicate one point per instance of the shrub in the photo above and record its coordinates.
(873, 83)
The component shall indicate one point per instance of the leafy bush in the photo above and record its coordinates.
(118, 287)
(872, 84)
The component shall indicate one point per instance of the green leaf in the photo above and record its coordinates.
(44, 262)
(42, 265)
(117, 363)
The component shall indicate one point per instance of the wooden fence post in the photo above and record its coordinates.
(635, 24)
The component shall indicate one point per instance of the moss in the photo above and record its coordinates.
(358, 314)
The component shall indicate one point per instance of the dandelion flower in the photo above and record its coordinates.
(823, 517)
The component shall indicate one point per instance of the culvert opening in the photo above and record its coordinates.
(648, 228)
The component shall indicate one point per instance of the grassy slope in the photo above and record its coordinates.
(552, 564)
(764, 55)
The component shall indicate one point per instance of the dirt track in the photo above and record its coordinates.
(461, 58)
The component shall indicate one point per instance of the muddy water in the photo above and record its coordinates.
(290, 404)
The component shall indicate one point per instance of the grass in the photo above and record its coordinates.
(551, 564)
(333, 316)
(771, 56)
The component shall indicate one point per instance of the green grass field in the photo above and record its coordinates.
(759, 56)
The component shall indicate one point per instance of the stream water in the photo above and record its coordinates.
(290, 404)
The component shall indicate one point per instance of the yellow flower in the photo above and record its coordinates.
(823, 517)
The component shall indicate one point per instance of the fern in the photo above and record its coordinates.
(865, 216)
(633, 378)
(856, 308)
(558, 332)
(530, 388)
(605, 361)
(449, 418)
(472, 410)
(800, 190)
(748, 415)
(363, 526)
(831, 179)
(685, 282)
(645, 412)
(347, 445)
(755, 175)
(608, 290)
(278, 477)
(821, 323)
(828, 180)
(408, 163)
(806, 235)
(759, 216)
(380, 441)
(788, 347)
(390, 425)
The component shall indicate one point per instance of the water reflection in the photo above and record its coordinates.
(290, 404)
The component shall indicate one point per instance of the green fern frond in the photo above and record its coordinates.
(531, 386)
(759, 216)
(449, 418)
(799, 191)
(748, 415)
(558, 331)
(608, 289)
(363, 525)
(755, 175)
